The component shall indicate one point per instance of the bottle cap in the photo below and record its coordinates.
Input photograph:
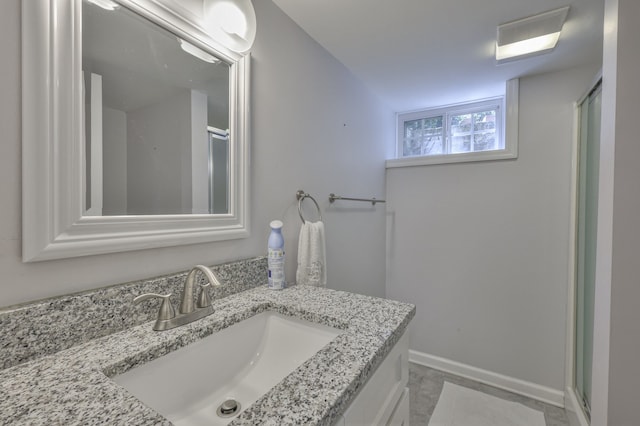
(276, 224)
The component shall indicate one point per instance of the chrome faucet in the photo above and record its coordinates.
(167, 317)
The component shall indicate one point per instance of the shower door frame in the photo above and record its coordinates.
(573, 402)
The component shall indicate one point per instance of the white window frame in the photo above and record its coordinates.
(506, 130)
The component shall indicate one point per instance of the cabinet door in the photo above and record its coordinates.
(379, 397)
(400, 416)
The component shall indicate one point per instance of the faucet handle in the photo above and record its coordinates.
(204, 299)
(166, 308)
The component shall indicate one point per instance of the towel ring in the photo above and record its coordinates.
(301, 195)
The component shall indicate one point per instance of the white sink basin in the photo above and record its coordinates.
(241, 362)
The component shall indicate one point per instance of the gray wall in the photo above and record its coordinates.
(159, 157)
(114, 160)
(314, 126)
(199, 150)
(482, 248)
(220, 172)
(616, 371)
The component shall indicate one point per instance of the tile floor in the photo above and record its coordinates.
(425, 385)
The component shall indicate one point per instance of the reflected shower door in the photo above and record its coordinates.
(589, 157)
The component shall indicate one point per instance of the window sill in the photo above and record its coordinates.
(501, 154)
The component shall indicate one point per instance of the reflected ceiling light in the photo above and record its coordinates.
(105, 4)
(231, 22)
(530, 36)
(197, 52)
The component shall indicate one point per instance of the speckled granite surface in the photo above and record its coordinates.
(72, 386)
(48, 326)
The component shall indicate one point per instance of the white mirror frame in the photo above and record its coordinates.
(53, 151)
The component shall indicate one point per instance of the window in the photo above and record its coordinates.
(466, 132)
(472, 128)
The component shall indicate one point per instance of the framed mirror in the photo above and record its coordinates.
(135, 129)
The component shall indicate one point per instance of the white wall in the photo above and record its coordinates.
(314, 127)
(616, 371)
(482, 248)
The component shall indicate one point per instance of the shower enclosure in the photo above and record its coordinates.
(586, 241)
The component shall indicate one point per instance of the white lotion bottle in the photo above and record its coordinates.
(275, 256)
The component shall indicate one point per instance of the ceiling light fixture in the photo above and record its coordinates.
(105, 4)
(530, 36)
(197, 52)
(231, 22)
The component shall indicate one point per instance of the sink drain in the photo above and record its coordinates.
(229, 408)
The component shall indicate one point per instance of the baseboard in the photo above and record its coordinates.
(574, 409)
(511, 384)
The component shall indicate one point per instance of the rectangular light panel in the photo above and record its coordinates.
(530, 36)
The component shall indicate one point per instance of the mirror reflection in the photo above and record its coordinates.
(156, 118)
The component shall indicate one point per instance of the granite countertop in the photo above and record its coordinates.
(73, 385)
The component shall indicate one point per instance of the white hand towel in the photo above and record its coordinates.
(312, 264)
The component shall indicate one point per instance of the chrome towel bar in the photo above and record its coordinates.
(373, 201)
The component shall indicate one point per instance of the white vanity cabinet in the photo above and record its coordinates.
(384, 399)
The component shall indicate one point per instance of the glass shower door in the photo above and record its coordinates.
(589, 156)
